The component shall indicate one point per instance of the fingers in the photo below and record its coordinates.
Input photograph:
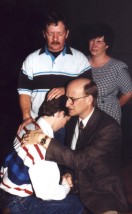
(56, 93)
(24, 138)
(28, 131)
(24, 123)
(20, 128)
(23, 141)
(68, 178)
(32, 137)
(52, 94)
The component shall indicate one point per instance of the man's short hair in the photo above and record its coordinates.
(54, 17)
(91, 89)
(50, 107)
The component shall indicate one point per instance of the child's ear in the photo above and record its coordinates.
(56, 114)
(59, 114)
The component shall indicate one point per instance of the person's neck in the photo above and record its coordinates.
(98, 61)
(49, 120)
(87, 113)
(55, 53)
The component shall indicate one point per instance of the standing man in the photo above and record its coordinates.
(51, 67)
(95, 153)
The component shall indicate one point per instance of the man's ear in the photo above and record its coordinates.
(90, 99)
(56, 114)
(67, 34)
(59, 114)
(44, 34)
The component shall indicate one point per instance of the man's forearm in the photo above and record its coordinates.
(25, 105)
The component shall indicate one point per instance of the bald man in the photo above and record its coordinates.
(94, 158)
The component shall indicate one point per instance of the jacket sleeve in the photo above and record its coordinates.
(103, 147)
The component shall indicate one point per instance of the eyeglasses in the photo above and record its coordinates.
(72, 99)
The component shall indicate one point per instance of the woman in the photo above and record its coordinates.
(110, 75)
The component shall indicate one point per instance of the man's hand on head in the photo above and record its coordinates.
(56, 93)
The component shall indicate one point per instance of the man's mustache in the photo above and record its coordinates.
(55, 43)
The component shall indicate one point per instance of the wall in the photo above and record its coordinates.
(21, 33)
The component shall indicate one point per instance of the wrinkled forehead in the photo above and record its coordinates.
(53, 24)
(58, 24)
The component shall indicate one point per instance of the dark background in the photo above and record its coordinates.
(21, 34)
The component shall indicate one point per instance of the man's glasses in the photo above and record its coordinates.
(72, 99)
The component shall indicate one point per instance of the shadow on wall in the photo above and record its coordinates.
(127, 133)
(10, 120)
(79, 38)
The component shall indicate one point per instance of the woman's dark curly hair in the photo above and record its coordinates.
(101, 30)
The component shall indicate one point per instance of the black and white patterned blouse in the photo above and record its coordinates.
(111, 79)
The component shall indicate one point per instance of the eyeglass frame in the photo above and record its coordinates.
(72, 99)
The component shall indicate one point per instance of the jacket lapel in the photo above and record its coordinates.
(90, 129)
(88, 132)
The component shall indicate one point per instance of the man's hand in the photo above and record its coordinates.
(24, 123)
(25, 105)
(33, 137)
(68, 179)
(56, 93)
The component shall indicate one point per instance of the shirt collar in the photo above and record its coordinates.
(46, 128)
(84, 121)
(45, 50)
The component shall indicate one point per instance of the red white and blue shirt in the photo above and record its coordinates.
(25, 170)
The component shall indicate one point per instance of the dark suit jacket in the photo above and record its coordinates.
(96, 162)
